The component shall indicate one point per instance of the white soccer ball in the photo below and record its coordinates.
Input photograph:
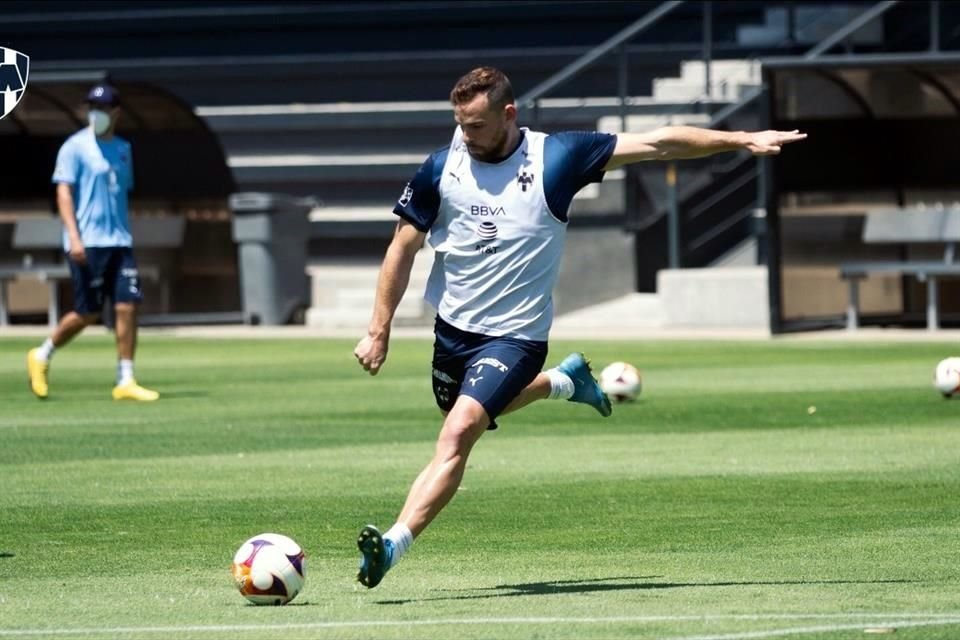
(269, 569)
(946, 378)
(620, 381)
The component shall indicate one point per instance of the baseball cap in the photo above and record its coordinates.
(103, 94)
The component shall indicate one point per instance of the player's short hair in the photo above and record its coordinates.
(483, 80)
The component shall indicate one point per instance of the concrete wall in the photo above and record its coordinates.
(734, 297)
(598, 266)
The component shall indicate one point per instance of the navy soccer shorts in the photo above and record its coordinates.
(109, 273)
(491, 370)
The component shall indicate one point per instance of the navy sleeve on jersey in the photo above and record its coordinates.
(420, 202)
(572, 160)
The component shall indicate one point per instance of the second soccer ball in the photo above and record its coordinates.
(620, 381)
(946, 377)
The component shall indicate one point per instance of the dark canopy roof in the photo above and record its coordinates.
(176, 156)
(874, 122)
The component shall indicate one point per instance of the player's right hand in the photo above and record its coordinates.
(77, 252)
(371, 353)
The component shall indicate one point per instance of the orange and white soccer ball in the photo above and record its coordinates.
(269, 569)
(620, 381)
(946, 377)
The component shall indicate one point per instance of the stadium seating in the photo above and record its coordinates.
(914, 227)
(38, 242)
(341, 101)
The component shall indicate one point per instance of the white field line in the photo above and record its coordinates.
(896, 620)
(774, 633)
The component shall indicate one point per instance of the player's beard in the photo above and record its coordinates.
(497, 151)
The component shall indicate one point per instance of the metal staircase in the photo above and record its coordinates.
(718, 202)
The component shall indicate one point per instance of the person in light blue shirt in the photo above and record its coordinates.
(93, 175)
(494, 205)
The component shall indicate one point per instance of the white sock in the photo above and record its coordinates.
(401, 537)
(124, 371)
(561, 386)
(45, 352)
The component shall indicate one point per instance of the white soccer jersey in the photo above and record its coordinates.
(498, 229)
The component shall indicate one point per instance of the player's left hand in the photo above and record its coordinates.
(768, 143)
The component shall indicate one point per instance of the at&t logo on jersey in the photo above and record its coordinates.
(14, 69)
(487, 232)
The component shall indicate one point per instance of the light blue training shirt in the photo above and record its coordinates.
(101, 174)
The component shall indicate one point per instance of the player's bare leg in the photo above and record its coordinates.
(126, 330)
(38, 360)
(70, 325)
(571, 380)
(539, 389)
(464, 425)
(429, 494)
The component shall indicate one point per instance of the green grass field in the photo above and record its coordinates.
(716, 507)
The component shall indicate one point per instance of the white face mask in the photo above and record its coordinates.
(100, 121)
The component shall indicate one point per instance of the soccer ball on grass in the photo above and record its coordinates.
(269, 569)
(946, 378)
(620, 381)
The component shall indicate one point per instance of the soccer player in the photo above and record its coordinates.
(495, 204)
(93, 174)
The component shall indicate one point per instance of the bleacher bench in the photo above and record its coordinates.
(909, 226)
(45, 234)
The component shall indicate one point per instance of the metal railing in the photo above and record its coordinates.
(830, 41)
(850, 28)
(531, 99)
(617, 44)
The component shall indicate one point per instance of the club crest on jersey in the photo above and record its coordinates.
(524, 179)
(14, 69)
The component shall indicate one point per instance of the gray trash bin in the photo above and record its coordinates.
(272, 231)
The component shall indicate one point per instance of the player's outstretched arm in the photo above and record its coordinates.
(371, 351)
(682, 143)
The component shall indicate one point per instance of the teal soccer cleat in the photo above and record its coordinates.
(585, 388)
(376, 553)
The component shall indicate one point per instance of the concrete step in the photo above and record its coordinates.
(633, 311)
(730, 297)
(746, 70)
(342, 294)
(613, 124)
(729, 79)
(811, 24)
(382, 116)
